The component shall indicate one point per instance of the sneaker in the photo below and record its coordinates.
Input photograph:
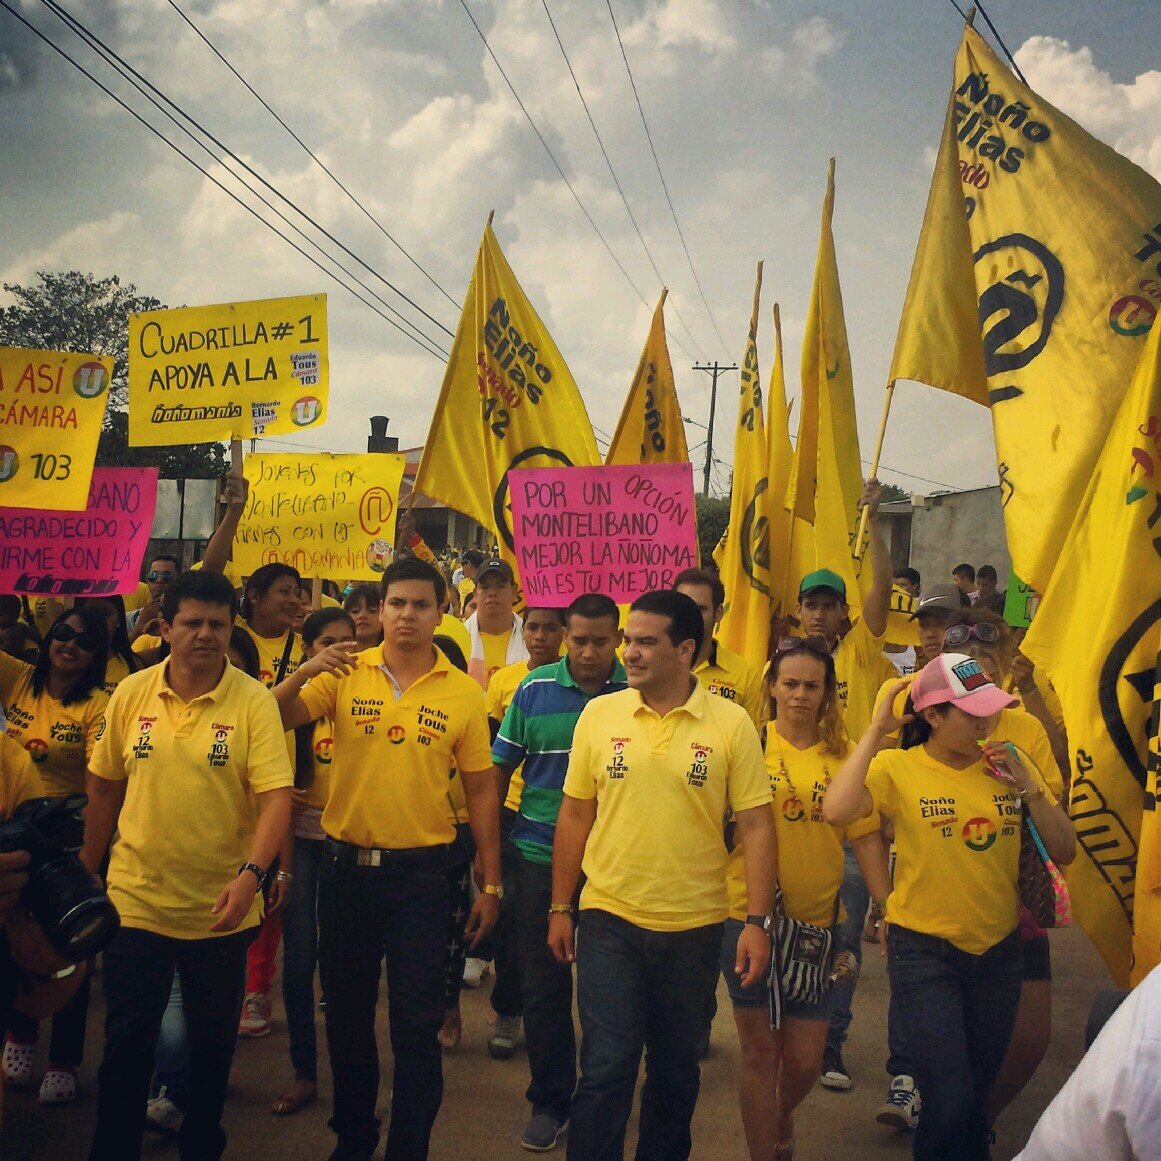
(834, 1072)
(17, 1063)
(901, 1108)
(162, 1115)
(255, 1020)
(59, 1086)
(542, 1133)
(474, 971)
(502, 1044)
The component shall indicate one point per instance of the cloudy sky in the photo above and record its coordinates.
(746, 101)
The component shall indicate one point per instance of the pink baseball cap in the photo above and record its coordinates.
(956, 679)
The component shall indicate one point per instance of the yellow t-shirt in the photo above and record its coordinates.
(116, 670)
(270, 654)
(957, 844)
(315, 795)
(59, 738)
(655, 855)
(860, 668)
(19, 780)
(389, 777)
(45, 610)
(730, 676)
(810, 851)
(454, 628)
(191, 773)
(138, 598)
(501, 690)
(146, 642)
(495, 652)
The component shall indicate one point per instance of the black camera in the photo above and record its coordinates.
(67, 902)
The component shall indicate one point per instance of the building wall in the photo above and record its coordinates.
(962, 527)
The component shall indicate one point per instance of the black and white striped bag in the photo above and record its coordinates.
(800, 965)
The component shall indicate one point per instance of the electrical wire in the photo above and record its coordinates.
(616, 180)
(310, 153)
(958, 9)
(1000, 40)
(205, 173)
(665, 188)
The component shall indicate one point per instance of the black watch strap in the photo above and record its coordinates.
(765, 922)
(256, 870)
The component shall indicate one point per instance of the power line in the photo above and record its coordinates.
(613, 175)
(665, 188)
(310, 153)
(1000, 39)
(958, 9)
(205, 173)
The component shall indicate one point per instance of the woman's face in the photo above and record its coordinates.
(335, 633)
(366, 619)
(110, 612)
(960, 732)
(799, 688)
(70, 658)
(280, 604)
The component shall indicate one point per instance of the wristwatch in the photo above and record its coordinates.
(765, 922)
(493, 889)
(256, 871)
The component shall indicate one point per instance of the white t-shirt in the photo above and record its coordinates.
(904, 662)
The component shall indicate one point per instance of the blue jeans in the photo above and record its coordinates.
(171, 1058)
(299, 955)
(639, 989)
(956, 1012)
(854, 896)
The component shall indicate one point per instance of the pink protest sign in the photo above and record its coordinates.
(81, 554)
(621, 530)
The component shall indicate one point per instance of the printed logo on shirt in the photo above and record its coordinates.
(219, 753)
(67, 733)
(37, 750)
(723, 690)
(939, 812)
(143, 747)
(432, 724)
(970, 675)
(617, 767)
(367, 712)
(266, 676)
(979, 834)
(322, 751)
(18, 719)
(396, 735)
(793, 809)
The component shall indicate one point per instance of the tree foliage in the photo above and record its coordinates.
(71, 311)
(713, 516)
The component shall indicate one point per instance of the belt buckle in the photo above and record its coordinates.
(368, 858)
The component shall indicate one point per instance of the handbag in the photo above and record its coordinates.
(1041, 885)
(800, 964)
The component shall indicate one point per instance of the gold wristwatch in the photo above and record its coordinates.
(493, 889)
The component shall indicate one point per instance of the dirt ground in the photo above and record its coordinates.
(484, 1109)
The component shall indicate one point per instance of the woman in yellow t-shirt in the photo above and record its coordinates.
(362, 603)
(55, 709)
(270, 607)
(122, 660)
(805, 744)
(956, 794)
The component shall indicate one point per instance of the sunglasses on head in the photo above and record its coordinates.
(816, 645)
(66, 633)
(986, 634)
(162, 578)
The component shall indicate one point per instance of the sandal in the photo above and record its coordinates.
(59, 1086)
(452, 1031)
(17, 1063)
(294, 1099)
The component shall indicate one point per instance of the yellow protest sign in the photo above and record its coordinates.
(52, 406)
(234, 371)
(331, 517)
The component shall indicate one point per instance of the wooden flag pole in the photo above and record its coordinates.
(861, 541)
(236, 456)
(316, 593)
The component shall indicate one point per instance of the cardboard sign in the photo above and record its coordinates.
(1020, 603)
(331, 517)
(236, 371)
(621, 531)
(52, 406)
(81, 554)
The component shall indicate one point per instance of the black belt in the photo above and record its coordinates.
(372, 858)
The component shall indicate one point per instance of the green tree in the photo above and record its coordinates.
(713, 517)
(72, 311)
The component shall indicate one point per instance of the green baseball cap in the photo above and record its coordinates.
(822, 578)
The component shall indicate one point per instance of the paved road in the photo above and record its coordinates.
(484, 1110)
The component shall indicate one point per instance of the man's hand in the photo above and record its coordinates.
(753, 958)
(280, 892)
(234, 902)
(12, 880)
(485, 913)
(147, 620)
(871, 497)
(1023, 673)
(235, 490)
(561, 937)
(338, 659)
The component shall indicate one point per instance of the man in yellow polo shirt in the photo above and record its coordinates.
(191, 768)
(403, 716)
(654, 769)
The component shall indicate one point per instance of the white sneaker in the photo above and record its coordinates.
(162, 1115)
(255, 1020)
(474, 971)
(901, 1108)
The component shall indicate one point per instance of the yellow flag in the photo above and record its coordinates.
(1097, 633)
(745, 557)
(651, 430)
(1035, 280)
(1147, 895)
(508, 400)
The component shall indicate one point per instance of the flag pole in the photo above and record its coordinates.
(860, 542)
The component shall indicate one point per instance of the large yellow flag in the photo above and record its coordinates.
(651, 430)
(1035, 280)
(744, 558)
(508, 400)
(1097, 632)
(1147, 893)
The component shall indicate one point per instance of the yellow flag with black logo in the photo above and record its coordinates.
(1035, 281)
(651, 430)
(744, 560)
(1147, 895)
(1097, 633)
(508, 400)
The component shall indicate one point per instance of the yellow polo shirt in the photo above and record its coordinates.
(393, 751)
(19, 780)
(59, 738)
(731, 676)
(454, 628)
(957, 847)
(663, 785)
(270, 654)
(501, 689)
(191, 773)
(860, 669)
(810, 851)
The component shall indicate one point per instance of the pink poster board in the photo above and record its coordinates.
(78, 554)
(621, 530)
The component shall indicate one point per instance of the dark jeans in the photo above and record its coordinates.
(639, 989)
(459, 907)
(956, 1013)
(547, 986)
(397, 911)
(138, 975)
(854, 896)
(500, 946)
(67, 1046)
(299, 956)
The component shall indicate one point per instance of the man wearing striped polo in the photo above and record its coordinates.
(537, 730)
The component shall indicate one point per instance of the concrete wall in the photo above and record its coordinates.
(962, 527)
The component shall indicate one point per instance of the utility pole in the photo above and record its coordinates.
(713, 370)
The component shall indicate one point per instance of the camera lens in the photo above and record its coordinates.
(70, 906)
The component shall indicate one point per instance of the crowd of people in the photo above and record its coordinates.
(605, 808)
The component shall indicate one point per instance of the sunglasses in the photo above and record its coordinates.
(66, 633)
(961, 634)
(160, 578)
(816, 645)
